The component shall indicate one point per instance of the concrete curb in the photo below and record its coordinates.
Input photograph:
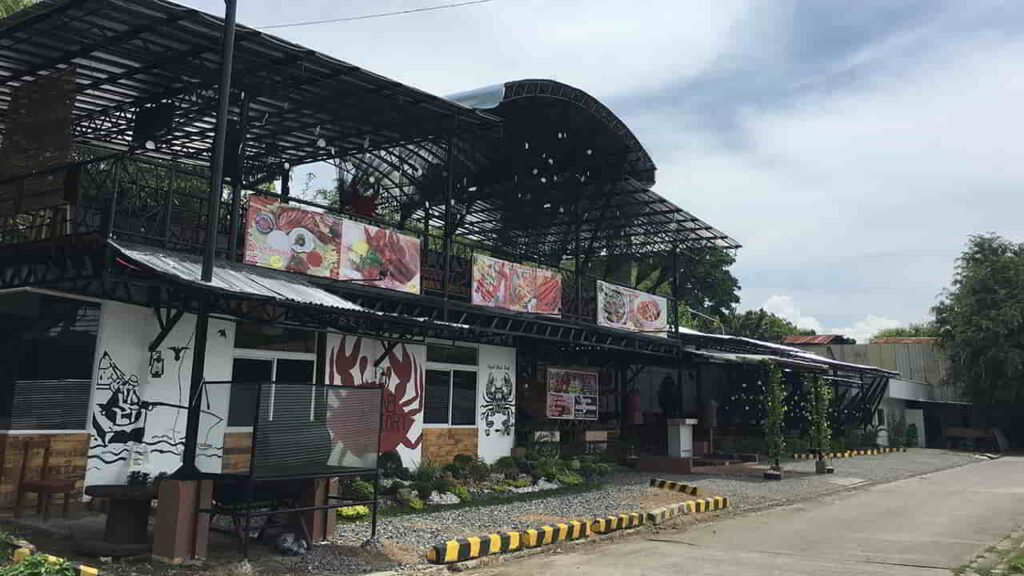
(850, 453)
(23, 549)
(676, 487)
(475, 548)
(666, 513)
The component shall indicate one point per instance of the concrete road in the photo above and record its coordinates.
(920, 526)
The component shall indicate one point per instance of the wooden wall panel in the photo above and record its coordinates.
(237, 452)
(440, 445)
(68, 453)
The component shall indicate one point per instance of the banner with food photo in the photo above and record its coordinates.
(571, 394)
(510, 286)
(620, 307)
(290, 238)
(381, 257)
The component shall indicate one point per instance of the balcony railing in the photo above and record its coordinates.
(163, 203)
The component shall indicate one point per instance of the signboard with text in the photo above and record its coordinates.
(572, 394)
(628, 309)
(518, 287)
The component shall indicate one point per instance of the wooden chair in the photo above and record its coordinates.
(43, 486)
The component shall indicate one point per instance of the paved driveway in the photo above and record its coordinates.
(923, 525)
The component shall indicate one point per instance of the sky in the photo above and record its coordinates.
(851, 147)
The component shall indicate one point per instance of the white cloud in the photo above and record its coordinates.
(785, 307)
(860, 199)
(861, 330)
(603, 47)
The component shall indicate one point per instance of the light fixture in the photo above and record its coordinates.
(321, 143)
(150, 145)
(590, 152)
(526, 145)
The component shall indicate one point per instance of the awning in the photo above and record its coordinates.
(733, 358)
(236, 278)
(245, 284)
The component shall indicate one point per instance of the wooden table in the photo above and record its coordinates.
(127, 528)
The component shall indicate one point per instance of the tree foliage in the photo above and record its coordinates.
(8, 7)
(924, 330)
(774, 414)
(761, 325)
(980, 321)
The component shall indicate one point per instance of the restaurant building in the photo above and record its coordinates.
(475, 278)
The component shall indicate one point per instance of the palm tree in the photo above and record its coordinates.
(8, 7)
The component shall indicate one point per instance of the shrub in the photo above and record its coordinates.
(548, 468)
(38, 565)
(520, 483)
(423, 488)
(390, 465)
(426, 472)
(443, 483)
(569, 479)
(353, 513)
(478, 470)
(463, 460)
(507, 466)
(394, 487)
(457, 472)
(592, 470)
(500, 488)
(417, 504)
(462, 492)
(573, 464)
(775, 413)
(359, 489)
(912, 437)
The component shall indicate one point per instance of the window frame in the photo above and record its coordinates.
(450, 368)
(272, 356)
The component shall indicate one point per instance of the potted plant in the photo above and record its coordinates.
(774, 413)
(821, 427)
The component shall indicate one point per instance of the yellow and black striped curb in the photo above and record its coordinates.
(666, 513)
(849, 453)
(554, 533)
(24, 550)
(675, 486)
(619, 522)
(451, 551)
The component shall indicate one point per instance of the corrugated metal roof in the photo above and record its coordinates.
(730, 357)
(236, 278)
(799, 339)
(906, 340)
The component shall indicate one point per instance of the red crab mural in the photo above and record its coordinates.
(396, 374)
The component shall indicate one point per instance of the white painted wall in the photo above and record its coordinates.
(137, 422)
(495, 401)
(350, 361)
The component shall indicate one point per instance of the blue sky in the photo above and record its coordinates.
(850, 146)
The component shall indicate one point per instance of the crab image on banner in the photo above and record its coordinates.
(402, 371)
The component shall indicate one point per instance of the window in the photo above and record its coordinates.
(278, 338)
(248, 373)
(880, 418)
(451, 355)
(450, 397)
(46, 367)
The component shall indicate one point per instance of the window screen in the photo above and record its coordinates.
(245, 375)
(438, 397)
(463, 398)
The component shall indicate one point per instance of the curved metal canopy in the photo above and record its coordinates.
(565, 177)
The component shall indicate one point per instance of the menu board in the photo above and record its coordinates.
(290, 238)
(384, 257)
(296, 239)
(518, 287)
(572, 394)
(629, 309)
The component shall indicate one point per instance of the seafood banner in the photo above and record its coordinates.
(518, 287)
(572, 394)
(629, 309)
(382, 257)
(295, 239)
(290, 238)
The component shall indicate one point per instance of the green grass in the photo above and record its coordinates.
(1016, 563)
(493, 500)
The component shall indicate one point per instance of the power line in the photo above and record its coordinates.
(379, 15)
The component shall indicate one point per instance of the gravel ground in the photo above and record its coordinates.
(628, 491)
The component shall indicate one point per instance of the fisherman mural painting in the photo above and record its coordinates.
(140, 399)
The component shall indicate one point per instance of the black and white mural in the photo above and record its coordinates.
(496, 402)
(140, 398)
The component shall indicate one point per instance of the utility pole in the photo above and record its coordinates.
(188, 461)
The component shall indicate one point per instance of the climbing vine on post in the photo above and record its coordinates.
(821, 426)
(774, 413)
